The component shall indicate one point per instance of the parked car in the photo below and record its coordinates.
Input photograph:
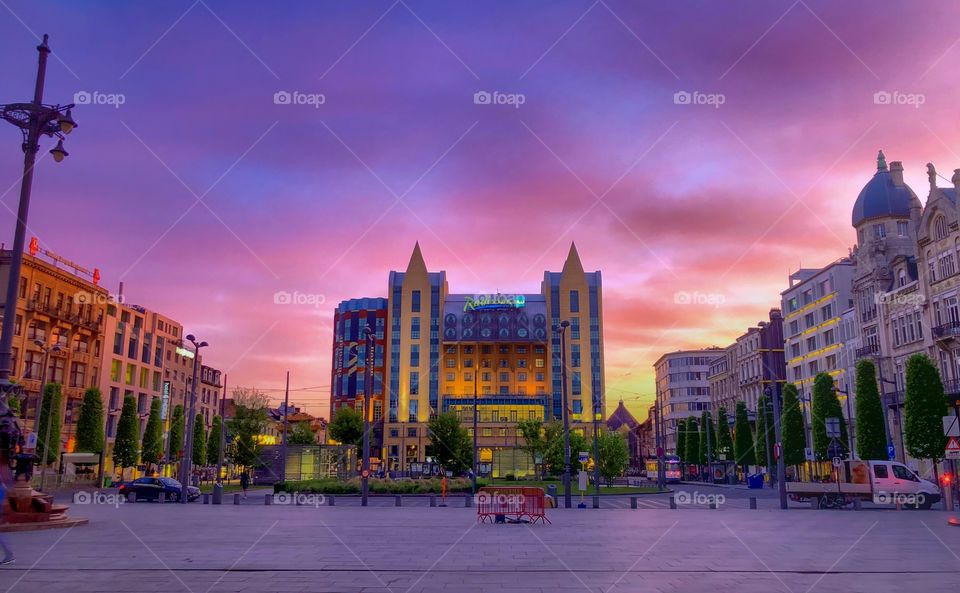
(150, 488)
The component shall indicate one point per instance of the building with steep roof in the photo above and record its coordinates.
(623, 422)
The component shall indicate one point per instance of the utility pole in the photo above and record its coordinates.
(283, 442)
(566, 416)
(367, 407)
(596, 452)
(781, 469)
(218, 485)
(476, 466)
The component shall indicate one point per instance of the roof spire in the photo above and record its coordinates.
(572, 265)
(416, 261)
(881, 162)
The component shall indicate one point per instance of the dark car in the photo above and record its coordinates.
(150, 489)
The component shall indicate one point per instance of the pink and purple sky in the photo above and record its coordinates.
(205, 197)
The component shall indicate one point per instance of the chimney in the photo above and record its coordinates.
(896, 173)
(956, 180)
(120, 294)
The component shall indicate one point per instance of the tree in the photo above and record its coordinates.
(177, 429)
(48, 449)
(246, 426)
(682, 439)
(302, 434)
(793, 436)
(450, 443)
(534, 440)
(724, 444)
(346, 426)
(614, 455)
(692, 444)
(126, 450)
(199, 453)
(152, 450)
(924, 408)
(871, 435)
(825, 405)
(213, 441)
(762, 435)
(90, 437)
(554, 458)
(708, 437)
(742, 437)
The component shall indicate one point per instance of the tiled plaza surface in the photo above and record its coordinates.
(204, 549)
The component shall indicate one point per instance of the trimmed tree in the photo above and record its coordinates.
(682, 439)
(794, 441)
(762, 433)
(826, 404)
(871, 437)
(213, 441)
(199, 453)
(614, 455)
(924, 408)
(126, 450)
(707, 433)
(724, 440)
(742, 438)
(48, 448)
(90, 437)
(152, 450)
(177, 428)
(692, 445)
(346, 426)
(450, 443)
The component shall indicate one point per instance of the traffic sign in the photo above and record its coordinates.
(583, 457)
(837, 462)
(31, 444)
(952, 450)
(808, 454)
(951, 427)
(833, 428)
(891, 452)
(776, 451)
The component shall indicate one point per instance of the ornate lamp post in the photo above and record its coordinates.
(34, 119)
(185, 464)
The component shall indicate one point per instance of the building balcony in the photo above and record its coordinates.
(947, 331)
(868, 350)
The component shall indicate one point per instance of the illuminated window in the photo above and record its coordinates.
(115, 370)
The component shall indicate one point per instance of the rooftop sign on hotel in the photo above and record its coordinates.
(494, 301)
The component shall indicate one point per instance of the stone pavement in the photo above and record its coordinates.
(207, 549)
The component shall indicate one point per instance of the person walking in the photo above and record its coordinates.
(5, 479)
(244, 482)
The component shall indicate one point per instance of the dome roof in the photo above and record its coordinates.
(884, 195)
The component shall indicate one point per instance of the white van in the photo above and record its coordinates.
(880, 482)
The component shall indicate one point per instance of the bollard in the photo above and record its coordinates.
(236, 498)
(673, 502)
(633, 502)
(753, 502)
(398, 501)
(596, 502)
(131, 497)
(206, 498)
(297, 500)
(467, 501)
(856, 504)
(332, 500)
(433, 500)
(814, 503)
(217, 494)
(713, 506)
(267, 500)
(162, 497)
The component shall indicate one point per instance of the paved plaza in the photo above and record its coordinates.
(205, 549)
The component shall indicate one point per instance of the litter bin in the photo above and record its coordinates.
(755, 481)
(552, 491)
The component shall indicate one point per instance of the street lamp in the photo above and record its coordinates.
(562, 330)
(34, 119)
(367, 407)
(43, 387)
(185, 464)
(773, 394)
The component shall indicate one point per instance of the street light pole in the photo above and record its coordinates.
(34, 120)
(218, 485)
(283, 441)
(476, 412)
(367, 407)
(185, 465)
(566, 416)
(774, 394)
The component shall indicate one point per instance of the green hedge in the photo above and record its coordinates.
(377, 486)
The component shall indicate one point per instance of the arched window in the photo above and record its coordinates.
(940, 227)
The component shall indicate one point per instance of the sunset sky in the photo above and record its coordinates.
(205, 197)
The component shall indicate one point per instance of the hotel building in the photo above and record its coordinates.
(442, 348)
(683, 388)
